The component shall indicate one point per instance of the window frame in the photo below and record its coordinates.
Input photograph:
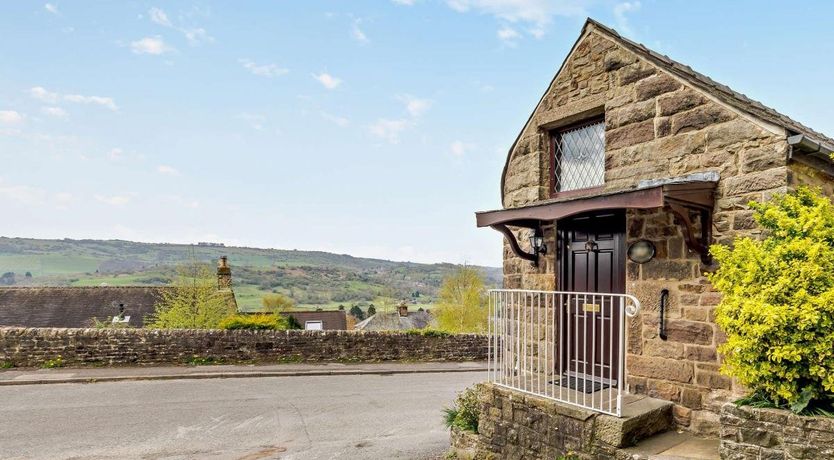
(319, 322)
(555, 139)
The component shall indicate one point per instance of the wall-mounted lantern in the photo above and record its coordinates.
(537, 243)
(641, 251)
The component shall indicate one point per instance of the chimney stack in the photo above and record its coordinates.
(224, 273)
(402, 308)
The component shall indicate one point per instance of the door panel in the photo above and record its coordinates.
(592, 260)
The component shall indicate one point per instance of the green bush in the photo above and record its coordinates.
(255, 322)
(57, 361)
(778, 303)
(427, 332)
(465, 413)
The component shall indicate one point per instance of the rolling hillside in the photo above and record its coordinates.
(314, 279)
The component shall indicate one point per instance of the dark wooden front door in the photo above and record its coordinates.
(592, 260)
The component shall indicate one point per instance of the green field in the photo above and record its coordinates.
(313, 279)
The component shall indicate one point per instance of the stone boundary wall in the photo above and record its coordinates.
(516, 425)
(32, 347)
(751, 433)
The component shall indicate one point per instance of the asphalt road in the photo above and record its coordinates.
(322, 417)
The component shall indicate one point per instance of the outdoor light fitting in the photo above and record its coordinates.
(537, 243)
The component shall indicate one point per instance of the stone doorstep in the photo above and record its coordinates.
(672, 445)
(642, 417)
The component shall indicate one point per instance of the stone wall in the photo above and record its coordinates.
(31, 347)
(657, 126)
(754, 434)
(515, 425)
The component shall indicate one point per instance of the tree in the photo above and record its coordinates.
(462, 305)
(28, 274)
(357, 312)
(777, 305)
(193, 302)
(277, 303)
(371, 310)
(7, 279)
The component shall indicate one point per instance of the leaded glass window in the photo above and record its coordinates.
(579, 157)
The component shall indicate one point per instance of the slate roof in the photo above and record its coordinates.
(75, 306)
(392, 321)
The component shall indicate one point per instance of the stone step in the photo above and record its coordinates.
(672, 445)
(642, 417)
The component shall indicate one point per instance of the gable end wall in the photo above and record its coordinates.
(656, 127)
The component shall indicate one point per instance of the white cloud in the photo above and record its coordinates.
(33, 196)
(358, 34)
(158, 16)
(197, 36)
(327, 80)
(256, 121)
(113, 200)
(538, 14)
(389, 130)
(150, 45)
(167, 170)
(620, 11)
(508, 34)
(404, 2)
(263, 70)
(42, 94)
(340, 121)
(51, 8)
(10, 117)
(56, 112)
(115, 154)
(459, 148)
(414, 105)
(97, 100)
(194, 35)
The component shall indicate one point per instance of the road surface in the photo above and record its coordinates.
(309, 417)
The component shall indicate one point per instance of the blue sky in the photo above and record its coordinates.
(373, 128)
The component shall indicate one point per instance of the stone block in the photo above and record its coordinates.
(679, 101)
(636, 133)
(699, 118)
(663, 349)
(762, 158)
(655, 86)
(761, 180)
(685, 331)
(634, 72)
(632, 113)
(657, 269)
(661, 368)
(701, 353)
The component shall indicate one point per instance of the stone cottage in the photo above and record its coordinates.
(628, 168)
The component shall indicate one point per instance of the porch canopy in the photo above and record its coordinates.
(683, 195)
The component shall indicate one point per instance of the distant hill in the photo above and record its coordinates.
(314, 279)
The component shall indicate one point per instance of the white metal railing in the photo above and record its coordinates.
(566, 346)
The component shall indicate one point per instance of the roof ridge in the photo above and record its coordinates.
(737, 100)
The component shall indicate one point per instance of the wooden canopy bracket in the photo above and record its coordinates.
(699, 244)
(508, 234)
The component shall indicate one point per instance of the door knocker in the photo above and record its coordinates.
(591, 246)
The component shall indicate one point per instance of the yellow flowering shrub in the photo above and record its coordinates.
(778, 302)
